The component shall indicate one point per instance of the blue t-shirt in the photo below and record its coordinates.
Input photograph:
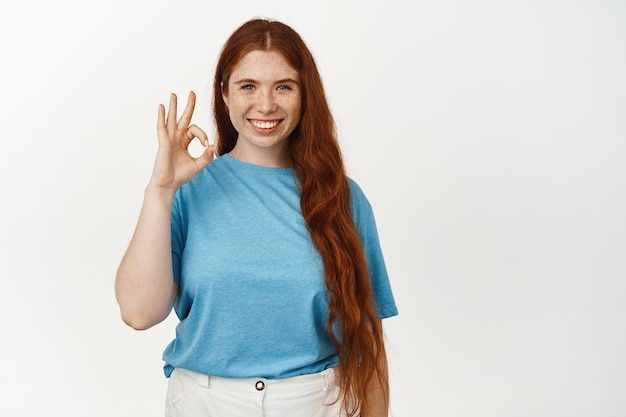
(252, 300)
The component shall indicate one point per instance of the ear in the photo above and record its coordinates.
(224, 95)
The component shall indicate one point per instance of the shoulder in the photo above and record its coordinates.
(216, 169)
(356, 192)
(361, 207)
(202, 184)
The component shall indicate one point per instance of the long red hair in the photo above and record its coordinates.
(325, 203)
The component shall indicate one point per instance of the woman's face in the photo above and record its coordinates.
(265, 105)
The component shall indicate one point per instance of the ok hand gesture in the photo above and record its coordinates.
(174, 165)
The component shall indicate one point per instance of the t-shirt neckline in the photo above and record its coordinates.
(257, 169)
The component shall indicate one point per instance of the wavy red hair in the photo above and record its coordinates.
(325, 203)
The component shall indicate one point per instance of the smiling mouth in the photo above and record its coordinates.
(262, 124)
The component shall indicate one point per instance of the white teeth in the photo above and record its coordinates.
(264, 125)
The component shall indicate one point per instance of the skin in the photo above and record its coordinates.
(144, 284)
(263, 91)
(377, 406)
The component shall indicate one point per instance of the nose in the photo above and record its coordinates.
(266, 102)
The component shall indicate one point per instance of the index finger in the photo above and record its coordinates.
(171, 111)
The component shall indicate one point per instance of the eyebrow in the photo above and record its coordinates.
(251, 81)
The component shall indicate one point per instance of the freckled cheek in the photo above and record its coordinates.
(241, 105)
(293, 106)
(299, 113)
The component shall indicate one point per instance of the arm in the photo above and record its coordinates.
(378, 398)
(144, 285)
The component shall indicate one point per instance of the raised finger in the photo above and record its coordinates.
(161, 118)
(185, 119)
(171, 112)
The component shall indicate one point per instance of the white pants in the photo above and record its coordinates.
(190, 394)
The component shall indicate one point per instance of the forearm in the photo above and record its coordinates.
(376, 406)
(378, 398)
(144, 284)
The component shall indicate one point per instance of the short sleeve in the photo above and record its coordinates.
(177, 236)
(366, 226)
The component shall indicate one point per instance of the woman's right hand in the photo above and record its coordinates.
(174, 165)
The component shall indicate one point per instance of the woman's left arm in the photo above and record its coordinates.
(378, 398)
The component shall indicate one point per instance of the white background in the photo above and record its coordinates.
(488, 135)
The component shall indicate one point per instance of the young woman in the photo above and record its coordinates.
(268, 253)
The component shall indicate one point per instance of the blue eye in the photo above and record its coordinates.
(247, 87)
(284, 87)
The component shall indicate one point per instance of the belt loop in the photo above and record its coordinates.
(204, 380)
(327, 379)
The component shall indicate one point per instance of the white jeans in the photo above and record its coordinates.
(190, 394)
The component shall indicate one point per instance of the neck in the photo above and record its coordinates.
(267, 157)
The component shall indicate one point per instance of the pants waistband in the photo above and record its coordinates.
(324, 380)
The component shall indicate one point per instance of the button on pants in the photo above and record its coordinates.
(190, 394)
